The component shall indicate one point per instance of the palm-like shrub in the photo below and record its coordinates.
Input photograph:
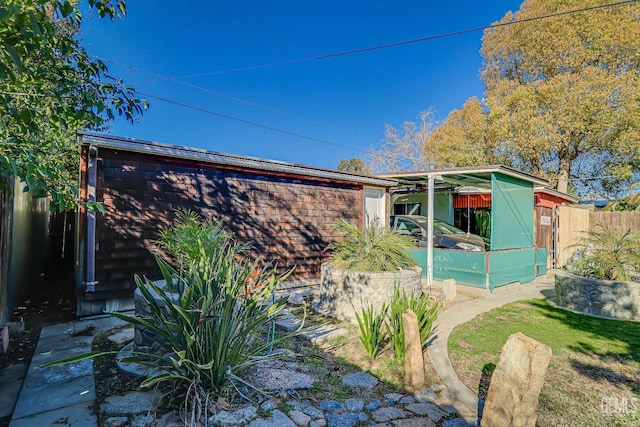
(606, 255)
(374, 248)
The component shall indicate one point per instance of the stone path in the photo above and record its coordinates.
(62, 395)
(65, 395)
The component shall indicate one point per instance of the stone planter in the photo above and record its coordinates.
(339, 289)
(617, 300)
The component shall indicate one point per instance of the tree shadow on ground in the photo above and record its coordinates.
(625, 332)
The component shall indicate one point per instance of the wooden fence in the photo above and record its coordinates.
(572, 222)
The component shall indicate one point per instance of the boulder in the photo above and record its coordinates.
(512, 398)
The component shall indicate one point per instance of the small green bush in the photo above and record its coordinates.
(606, 255)
(371, 324)
(374, 248)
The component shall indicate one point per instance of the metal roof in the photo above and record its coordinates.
(254, 163)
(475, 176)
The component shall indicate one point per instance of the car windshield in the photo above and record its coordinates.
(439, 227)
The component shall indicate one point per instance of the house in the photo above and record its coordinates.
(284, 210)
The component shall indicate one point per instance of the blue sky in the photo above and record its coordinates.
(215, 56)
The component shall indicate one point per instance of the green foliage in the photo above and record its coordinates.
(374, 249)
(562, 93)
(371, 324)
(607, 255)
(394, 327)
(49, 88)
(193, 240)
(354, 164)
(425, 312)
(217, 319)
(629, 203)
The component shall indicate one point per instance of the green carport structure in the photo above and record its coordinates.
(512, 257)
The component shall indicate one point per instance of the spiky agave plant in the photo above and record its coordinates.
(373, 248)
(607, 255)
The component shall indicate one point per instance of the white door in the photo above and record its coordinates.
(374, 206)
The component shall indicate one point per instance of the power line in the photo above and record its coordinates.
(406, 42)
(233, 98)
(249, 122)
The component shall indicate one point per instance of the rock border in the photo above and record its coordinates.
(603, 298)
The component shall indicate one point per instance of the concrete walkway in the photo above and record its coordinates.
(61, 395)
(457, 314)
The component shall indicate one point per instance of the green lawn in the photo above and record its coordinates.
(593, 378)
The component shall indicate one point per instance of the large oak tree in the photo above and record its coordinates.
(563, 93)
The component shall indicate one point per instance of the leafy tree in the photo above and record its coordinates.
(564, 92)
(403, 150)
(354, 164)
(49, 88)
(462, 139)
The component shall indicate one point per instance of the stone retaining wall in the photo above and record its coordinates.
(340, 288)
(618, 300)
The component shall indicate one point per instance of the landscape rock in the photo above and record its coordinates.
(428, 409)
(345, 420)
(313, 412)
(360, 380)
(116, 421)
(135, 402)
(300, 418)
(331, 405)
(449, 291)
(238, 417)
(354, 405)
(383, 415)
(512, 398)
(425, 395)
(461, 422)
(373, 405)
(279, 377)
(406, 400)
(413, 422)
(277, 419)
(122, 337)
(393, 398)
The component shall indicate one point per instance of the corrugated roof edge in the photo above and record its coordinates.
(255, 163)
(470, 170)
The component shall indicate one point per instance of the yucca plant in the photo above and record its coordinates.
(606, 255)
(426, 313)
(216, 322)
(371, 328)
(373, 248)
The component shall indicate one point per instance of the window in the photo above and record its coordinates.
(406, 209)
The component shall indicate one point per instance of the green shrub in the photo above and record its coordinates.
(606, 255)
(371, 328)
(217, 321)
(425, 313)
(374, 248)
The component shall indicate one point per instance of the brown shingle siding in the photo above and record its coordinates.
(286, 219)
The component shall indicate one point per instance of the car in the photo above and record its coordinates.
(444, 235)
